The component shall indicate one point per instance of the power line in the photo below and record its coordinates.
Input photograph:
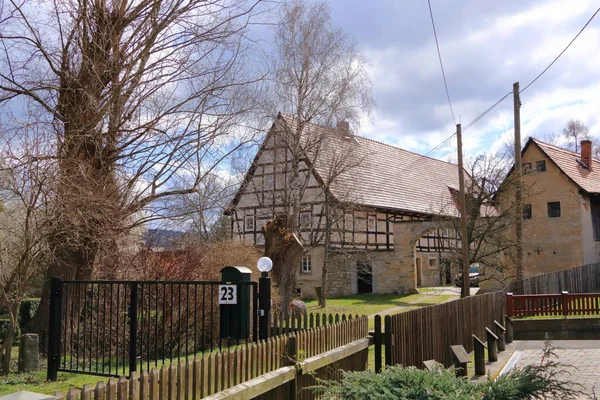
(483, 114)
(561, 53)
(443, 144)
(441, 64)
(440, 146)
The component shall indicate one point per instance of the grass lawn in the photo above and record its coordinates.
(369, 304)
(36, 381)
(556, 317)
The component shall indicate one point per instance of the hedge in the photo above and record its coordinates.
(4, 327)
(26, 312)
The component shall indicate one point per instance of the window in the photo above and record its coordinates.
(306, 264)
(432, 262)
(249, 223)
(540, 166)
(526, 166)
(372, 222)
(596, 219)
(527, 211)
(304, 219)
(554, 209)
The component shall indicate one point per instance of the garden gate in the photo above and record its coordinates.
(113, 328)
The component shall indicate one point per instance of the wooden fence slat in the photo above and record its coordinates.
(72, 394)
(86, 392)
(172, 381)
(111, 389)
(122, 388)
(153, 388)
(133, 386)
(164, 383)
(99, 391)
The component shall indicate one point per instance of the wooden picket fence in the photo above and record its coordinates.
(583, 279)
(214, 373)
(563, 304)
(281, 324)
(427, 333)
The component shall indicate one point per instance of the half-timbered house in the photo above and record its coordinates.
(378, 185)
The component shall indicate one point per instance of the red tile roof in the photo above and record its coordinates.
(387, 177)
(567, 161)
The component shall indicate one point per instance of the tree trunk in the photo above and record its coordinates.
(5, 350)
(285, 250)
(326, 240)
(70, 263)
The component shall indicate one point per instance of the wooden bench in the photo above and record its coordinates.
(461, 358)
(500, 331)
(509, 329)
(431, 365)
(479, 350)
(492, 345)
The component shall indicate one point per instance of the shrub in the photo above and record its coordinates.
(401, 383)
(26, 312)
(540, 381)
(4, 327)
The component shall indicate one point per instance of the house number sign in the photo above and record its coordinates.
(227, 294)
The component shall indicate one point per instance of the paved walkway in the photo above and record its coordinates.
(579, 359)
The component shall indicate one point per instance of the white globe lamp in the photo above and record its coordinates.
(264, 264)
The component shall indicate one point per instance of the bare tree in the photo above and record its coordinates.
(491, 208)
(320, 78)
(142, 100)
(576, 131)
(24, 228)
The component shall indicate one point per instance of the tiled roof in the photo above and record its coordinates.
(386, 177)
(566, 160)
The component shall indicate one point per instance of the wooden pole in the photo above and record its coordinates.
(518, 187)
(465, 290)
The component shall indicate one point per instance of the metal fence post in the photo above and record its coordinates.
(133, 327)
(54, 328)
(264, 305)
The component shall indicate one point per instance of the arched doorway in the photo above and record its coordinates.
(406, 236)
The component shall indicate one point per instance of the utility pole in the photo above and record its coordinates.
(465, 289)
(519, 183)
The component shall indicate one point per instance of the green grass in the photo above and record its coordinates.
(36, 381)
(370, 304)
(537, 317)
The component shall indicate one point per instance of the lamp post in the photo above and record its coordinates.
(264, 265)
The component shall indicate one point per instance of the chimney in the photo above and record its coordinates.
(343, 126)
(586, 153)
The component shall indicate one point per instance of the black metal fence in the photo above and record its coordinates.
(112, 328)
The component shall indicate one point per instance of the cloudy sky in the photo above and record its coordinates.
(486, 45)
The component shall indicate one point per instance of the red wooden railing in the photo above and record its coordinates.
(564, 304)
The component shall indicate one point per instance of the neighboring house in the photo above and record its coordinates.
(385, 186)
(561, 212)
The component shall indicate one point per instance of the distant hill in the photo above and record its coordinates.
(163, 238)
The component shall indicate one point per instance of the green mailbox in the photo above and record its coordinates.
(234, 302)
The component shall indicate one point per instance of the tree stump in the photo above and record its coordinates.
(283, 247)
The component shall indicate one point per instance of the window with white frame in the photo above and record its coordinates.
(306, 264)
(249, 223)
(372, 223)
